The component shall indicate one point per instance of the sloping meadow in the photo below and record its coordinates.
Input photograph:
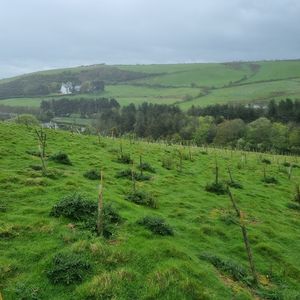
(168, 232)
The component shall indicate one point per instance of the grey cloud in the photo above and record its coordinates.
(40, 34)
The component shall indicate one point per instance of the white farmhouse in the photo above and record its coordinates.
(66, 88)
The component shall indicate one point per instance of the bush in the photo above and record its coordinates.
(124, 159)
(270, 179)
(68, 268)
(27, 292)
(266, 161)
(156, 225)
(168, 163)
(3, 206)
(294, 205)
(216, 188)
(286, 164)
(146, 167)
(74, 207)
(92, 174)
(61, 158)
(235, 184)
(33, 152)
(36, 167)
(236, 271)
(77, 208)
(142, 198)
(128, 173)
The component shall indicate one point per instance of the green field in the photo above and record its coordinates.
(188, 84)
(136, 263)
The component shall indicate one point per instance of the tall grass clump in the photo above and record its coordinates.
(68, 268)
(85, 212)
(216, 187)
(229, 267)
(142, 198)
(296, 203)
(61, 158)
(268, 179)
(156, 225)
(92, 174)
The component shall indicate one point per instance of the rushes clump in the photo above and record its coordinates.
(79, 209)
(61, 158)
(296, 204)
(266, 161)
(144, 166)
(168, 163)
(216, 187)
(142, 198)
(156, 225)
(92, 174)
(236, 271)
(68, 268)
(129, 174)
(75, 207)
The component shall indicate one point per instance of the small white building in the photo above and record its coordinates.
(77, 88)
(66, 88)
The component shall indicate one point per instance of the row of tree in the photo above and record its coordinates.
(269, 128)
(169, 122)
(86, 107)
(284, 111)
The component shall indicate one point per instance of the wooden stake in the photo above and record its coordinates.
(133, 179)
(100, 207)
(230, 175)
(245, 237)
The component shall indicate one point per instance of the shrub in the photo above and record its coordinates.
(142, 198)
(33, 152)
(68, 268)
(36, 167)
(293, 205)
(74, 207)
(216, 188)
(61, 158)
(266, 161)
(3, 206)
(146, 167)
(77, 208)
(235, 184)
(286, 164)
(128, 173)
(156, 225)
(168, 163)
(27, 292)
(229, 267)
(270, 179)
(92, 174)
(124, 159)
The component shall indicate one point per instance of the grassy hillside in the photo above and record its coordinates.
(205, 258)
(183, 84)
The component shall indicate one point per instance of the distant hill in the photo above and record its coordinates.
(48, 82)
(183, 84)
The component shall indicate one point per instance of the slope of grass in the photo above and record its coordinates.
(258, 93)
(203, 75)
(135, 263)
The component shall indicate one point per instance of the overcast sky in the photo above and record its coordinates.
(43, 34)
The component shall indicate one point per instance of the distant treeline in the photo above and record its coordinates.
(275, 126)
(283, 111)
(86, 107)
